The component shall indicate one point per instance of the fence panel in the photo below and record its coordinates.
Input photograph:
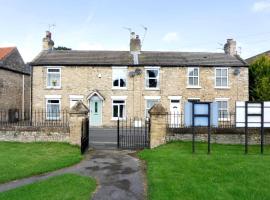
(36, 118)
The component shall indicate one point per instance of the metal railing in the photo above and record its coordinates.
(38, 118)
(177, 120)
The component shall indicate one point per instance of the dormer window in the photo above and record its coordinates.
(54, 77)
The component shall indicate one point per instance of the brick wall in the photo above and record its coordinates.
(173, 82)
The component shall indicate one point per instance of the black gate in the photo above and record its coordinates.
(133, 133)
(85, 135)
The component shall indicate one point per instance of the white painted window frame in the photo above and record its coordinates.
(222, 87)
(228, 110)
(188, 76)
(146, 98)
(146, 77)
(75, 98)
(53, 97)
(122, 68)
(120, 98)
(60, 79)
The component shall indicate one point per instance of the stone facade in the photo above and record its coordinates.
(83, 80)
(15, 82)
(32, 134)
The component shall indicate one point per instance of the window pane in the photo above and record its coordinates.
(121, 113)
(224, 72)
(195, 81)
(224, 82)
(195, 72)
(96, 107)
(190, 80)
(119, 77)
(118, 101)
(122, 83)
(116, 83)
(152, 73)
(152, 83)
(218, 82)
(218, 72)
(53, 79)
(191, 72)
(53, 70)
(115, 111)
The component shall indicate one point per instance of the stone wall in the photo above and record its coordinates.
(173, 82)
(11, 90)
(220, 138)
(33, 134)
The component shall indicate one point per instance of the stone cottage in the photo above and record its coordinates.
(15, 81)
(126, 84)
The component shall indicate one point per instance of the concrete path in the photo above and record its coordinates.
(119, 175)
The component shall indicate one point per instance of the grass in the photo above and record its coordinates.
(19, 160)
(173, 172)
(64, 187)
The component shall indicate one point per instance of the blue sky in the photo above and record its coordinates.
(173, 25)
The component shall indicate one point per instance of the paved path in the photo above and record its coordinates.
(119, 175)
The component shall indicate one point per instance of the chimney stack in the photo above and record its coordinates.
(135, 43)
(48, 43)
(230, 47)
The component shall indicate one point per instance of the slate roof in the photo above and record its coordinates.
(10, 59)
(124, 58)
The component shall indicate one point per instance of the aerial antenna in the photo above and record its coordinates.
(145, 32)
(51, 27)
(221, 46)
(239, 50)
(127, 28)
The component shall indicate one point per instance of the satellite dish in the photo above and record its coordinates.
(131, 74)
(138, 71)
(236, 71)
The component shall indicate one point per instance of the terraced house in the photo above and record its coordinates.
(123, 84)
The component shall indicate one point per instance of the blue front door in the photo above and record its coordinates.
(95, 112)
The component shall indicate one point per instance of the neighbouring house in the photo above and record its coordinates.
(126, 84)
(15, 83)
(253, 58)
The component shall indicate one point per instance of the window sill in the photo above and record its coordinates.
(53, 88)
(222, 88)
(224, 119)
(155, 89)
(119, 88)
(194, 87)
(116, 118)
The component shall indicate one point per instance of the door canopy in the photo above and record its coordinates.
(95, 93)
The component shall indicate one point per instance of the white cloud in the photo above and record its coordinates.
(171, 37)
(261, 6)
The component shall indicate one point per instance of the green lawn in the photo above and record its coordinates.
(173, 172)
(67, 186)
(19, 160)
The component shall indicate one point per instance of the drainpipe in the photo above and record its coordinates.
(23, 87)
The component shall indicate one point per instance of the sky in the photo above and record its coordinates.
(172, 25)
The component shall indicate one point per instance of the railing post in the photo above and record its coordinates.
(118, 133)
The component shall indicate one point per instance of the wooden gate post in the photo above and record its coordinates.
(158, 123)
(76, 116)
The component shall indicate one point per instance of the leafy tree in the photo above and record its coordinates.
(259, 79)
(62, 48)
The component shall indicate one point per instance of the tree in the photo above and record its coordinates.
(259, 79)
(62, 48)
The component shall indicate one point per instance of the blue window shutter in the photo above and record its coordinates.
(214, 114)
(188, 114)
